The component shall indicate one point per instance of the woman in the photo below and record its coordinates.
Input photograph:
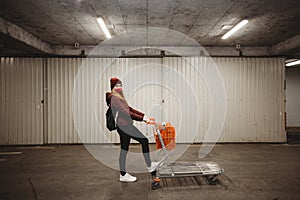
(125, 116)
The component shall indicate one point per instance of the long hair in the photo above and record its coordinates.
(120, 96)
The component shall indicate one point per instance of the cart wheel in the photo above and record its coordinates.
(155, 185)
(153, 173)
(212, 180)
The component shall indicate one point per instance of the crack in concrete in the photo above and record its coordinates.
(33, 189)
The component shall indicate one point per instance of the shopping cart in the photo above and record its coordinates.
(165, 135)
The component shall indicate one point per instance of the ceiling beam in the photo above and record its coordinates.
(290, 45)
(16, 33)
(117, 51)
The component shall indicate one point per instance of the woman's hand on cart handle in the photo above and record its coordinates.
(146, 118)
(151, 121)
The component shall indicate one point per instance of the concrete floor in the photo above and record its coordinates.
(252, 171)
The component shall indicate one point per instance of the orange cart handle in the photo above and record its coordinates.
(151, 121)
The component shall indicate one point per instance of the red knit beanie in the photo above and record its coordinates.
(114, 82)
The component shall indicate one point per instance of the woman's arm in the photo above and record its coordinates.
(136, 115)
(136, 111)
(125, 110)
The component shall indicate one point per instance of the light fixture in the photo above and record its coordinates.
(297, 62)
(103, 26)
(234, 29)
(226, 27)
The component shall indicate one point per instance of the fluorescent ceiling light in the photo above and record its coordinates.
(297, 62)
(103, 26)
(234, 29)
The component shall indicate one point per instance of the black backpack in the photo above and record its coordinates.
(110, 120)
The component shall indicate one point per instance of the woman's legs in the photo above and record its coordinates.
(127, 132)
(125, 141)
(138, 136)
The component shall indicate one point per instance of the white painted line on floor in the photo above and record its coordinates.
(35, 147)
(285, 145)
(10, 153)
(2, 160)
(109, 147)
(216, 145)
(209, 145)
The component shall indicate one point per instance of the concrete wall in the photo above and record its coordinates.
(293, 96)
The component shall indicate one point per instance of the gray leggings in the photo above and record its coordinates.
(126, 133)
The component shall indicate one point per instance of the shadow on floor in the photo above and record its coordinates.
(194, 182)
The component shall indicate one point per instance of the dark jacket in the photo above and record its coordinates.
(126, 114)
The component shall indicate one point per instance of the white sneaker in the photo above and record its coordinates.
(127, 178)
(153, 166)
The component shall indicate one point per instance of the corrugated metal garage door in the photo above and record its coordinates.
(21, 92)
(254, 97)
(60, 75)
(254, 90)
(92, 84)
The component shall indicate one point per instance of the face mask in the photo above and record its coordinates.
(118, 90)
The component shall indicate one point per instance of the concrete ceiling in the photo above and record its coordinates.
(54, 26)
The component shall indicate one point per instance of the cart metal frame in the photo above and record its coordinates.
(166, 169)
